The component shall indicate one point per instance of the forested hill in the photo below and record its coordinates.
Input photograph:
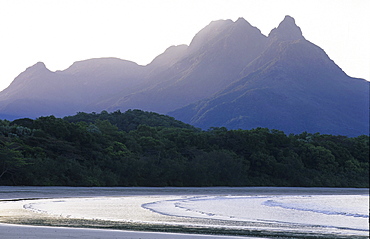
(139, 148)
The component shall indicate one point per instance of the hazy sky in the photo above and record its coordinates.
(60, 32)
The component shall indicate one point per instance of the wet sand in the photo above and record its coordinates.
(8, 231)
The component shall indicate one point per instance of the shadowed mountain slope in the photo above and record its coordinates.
(292, 86)
(215, 58)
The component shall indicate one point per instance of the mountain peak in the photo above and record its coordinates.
(39, 65)
(244, 25)
(242, 21)
(37, 68)
(287, 30)
(288, 19)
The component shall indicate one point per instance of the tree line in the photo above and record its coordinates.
(138, 148)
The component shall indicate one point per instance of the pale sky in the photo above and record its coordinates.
(60, 32)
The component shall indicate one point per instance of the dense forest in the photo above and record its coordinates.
(139, 148)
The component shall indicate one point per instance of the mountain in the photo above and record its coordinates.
(230, 75)
(215, 58)
(292, 86)
(38, 91)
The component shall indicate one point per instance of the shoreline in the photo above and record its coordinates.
(23, 222)
(44, 231)
(8, 231)
(17, 221)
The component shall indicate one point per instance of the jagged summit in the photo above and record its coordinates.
(243, 21)
(243, 25)
(287, 30)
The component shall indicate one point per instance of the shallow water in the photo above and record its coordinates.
(347, 212)
(19, 192)
(331, 211)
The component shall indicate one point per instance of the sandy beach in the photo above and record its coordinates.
(177, 213)
(13, 212)
(41, 232)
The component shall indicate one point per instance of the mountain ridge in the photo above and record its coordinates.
(289, 89)
(229, 75)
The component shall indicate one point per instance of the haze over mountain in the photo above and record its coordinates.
(185, 74)
(38, 91)
(292, 85)
(230, 75)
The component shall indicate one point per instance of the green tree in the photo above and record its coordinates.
(10, 159)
